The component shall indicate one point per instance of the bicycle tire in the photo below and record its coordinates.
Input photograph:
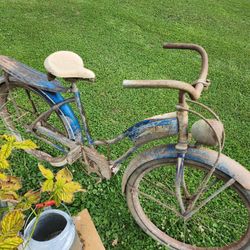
(161, 227)
(41, 100)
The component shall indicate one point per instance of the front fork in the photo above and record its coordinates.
(181, 148)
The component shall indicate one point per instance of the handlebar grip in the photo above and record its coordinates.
(200, 50)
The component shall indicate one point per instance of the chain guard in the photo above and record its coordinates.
(96, 162)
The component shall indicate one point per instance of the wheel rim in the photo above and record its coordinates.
(222, 224)
(30, 104)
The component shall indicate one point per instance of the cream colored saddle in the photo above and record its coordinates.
(67, 64)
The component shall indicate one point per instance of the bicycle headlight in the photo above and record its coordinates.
(204, 134)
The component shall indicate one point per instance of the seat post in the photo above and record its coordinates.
(50, 77)
(82, 112)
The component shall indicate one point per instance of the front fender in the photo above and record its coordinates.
(202, 155)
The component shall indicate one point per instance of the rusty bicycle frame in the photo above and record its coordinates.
(81, 144)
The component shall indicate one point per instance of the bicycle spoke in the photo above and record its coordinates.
(8, 101)
(178, 219)
(225, 186)
(158, 202)
(32, 103)
(231, 211)
(217, 234)
(17, 118)
(216, 218)
(27, 110)
(211, 185)
(184, 230)
(202, 187)
(160, 185)
(14, 103)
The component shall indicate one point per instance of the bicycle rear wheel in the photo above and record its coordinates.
(223, 223)
(20, 105)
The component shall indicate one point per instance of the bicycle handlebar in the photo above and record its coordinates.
(193, 91)
(200, 50)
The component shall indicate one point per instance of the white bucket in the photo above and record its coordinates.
(55, 230)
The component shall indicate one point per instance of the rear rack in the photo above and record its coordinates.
(27, 75)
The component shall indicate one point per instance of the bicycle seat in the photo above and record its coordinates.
(67, 64)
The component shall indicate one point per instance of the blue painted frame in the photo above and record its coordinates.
(51, 91)
(133, 133)
(65, 110)
(136, 130)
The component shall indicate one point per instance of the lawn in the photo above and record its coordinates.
(123, 40)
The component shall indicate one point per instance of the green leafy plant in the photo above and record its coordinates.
(60, 187)
(10, 143)
(13, 221)
(11, 224)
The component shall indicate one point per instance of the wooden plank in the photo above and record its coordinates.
(87, 231)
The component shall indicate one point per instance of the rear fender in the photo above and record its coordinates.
(202, 155)
(65, 111)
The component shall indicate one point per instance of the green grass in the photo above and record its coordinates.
(123, 40)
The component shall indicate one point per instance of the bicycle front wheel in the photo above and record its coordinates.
(223, 223)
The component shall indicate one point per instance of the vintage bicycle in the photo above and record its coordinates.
(184, 195)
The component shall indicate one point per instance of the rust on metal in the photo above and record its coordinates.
(225, 164)
(29, 76)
